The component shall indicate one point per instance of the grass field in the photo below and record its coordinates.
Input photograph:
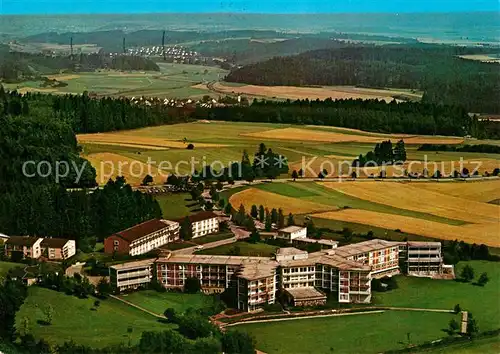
(489, 345)
(6, 266)
(173, 81)
(245, 249)
(176, 206)
(445, 294)
(377, 333)
(158, 302)
(75, 320)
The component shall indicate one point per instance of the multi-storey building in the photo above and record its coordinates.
(302, 277)
(382, 256)
(58, 248)
(28, 247)
(292, 232)
(131, 275)
(203, 223)
(257, 284)
(142, 238)
(423, 258)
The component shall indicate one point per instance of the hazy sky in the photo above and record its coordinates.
(249, 6)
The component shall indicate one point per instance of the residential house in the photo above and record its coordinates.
(58, 248)
(27, 247)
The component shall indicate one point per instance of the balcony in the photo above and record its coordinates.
(141, 273)
(134, 282)
(425, 259)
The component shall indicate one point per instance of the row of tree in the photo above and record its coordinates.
(437, 70)
(383, 154)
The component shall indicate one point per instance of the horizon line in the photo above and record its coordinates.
(250, 13)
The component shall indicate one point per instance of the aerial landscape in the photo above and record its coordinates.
(249, 177)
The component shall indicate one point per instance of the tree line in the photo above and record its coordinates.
(484, 148)
(437, 70)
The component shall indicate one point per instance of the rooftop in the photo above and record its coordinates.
(54, 242)
(424, 244)
(136, 264)
(291, 229)
(21, 241)
(146, 228)
(305, 293)
(257, 270)
(204, 215)
(3, 236)
(320, 241)
(363, 247)
(289, 251)
(216, 260)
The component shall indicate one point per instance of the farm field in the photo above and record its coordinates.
(158, 302)
(75, 320)
(484, 191)
(487, 233)
(226, 141)
(322, 93)
(256, 196)
(173, 81)
(245, 249)
(411, 197)
(381, 332)
(482, 302)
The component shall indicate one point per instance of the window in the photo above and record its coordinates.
(116, 242)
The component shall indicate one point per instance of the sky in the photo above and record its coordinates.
(8, 7)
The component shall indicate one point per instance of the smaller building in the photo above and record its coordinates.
(3, 238)
(290, 233)
(305, 297)
(290, 254)
(203, 223)
(28, 247)
(424, 259)
(256, 285)
(142, 238)
(131, 275)
(58, 248)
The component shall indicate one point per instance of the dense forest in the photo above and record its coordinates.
(437, 70)
(34, 200)
(16, 67)
(369, 115)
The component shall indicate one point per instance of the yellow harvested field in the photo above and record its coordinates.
(24, 90)
(481, 191)
(128, 138)
(410, 197)
(138, 146)
(311, 166)
(63, 77)
(253, 196)
(484, 233)
(109, 165)
(312, 93)
(445, 167)
(334, 137)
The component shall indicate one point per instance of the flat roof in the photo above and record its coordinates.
(365, 246)
(257, 270)
(424, 244)
(146, 228)
(292, 228)
(305, 293)
(136, 264)
(289, 251)
(3, 236)
(211, 259)
(327, 258)
(321, 241)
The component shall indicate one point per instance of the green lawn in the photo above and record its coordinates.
(489, 345)
(364, 333)
(6, 266)
(74, 319)
(422, 292)
(213, 238)
(158, 302)
(175, 206)
(245, 249)
(287, 189)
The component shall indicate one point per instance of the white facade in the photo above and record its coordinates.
(36, 250)
(69, 249)
(291, 233)
(156, 239)
(131, 275)
(205, 227)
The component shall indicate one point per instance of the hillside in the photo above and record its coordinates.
(445, 78)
